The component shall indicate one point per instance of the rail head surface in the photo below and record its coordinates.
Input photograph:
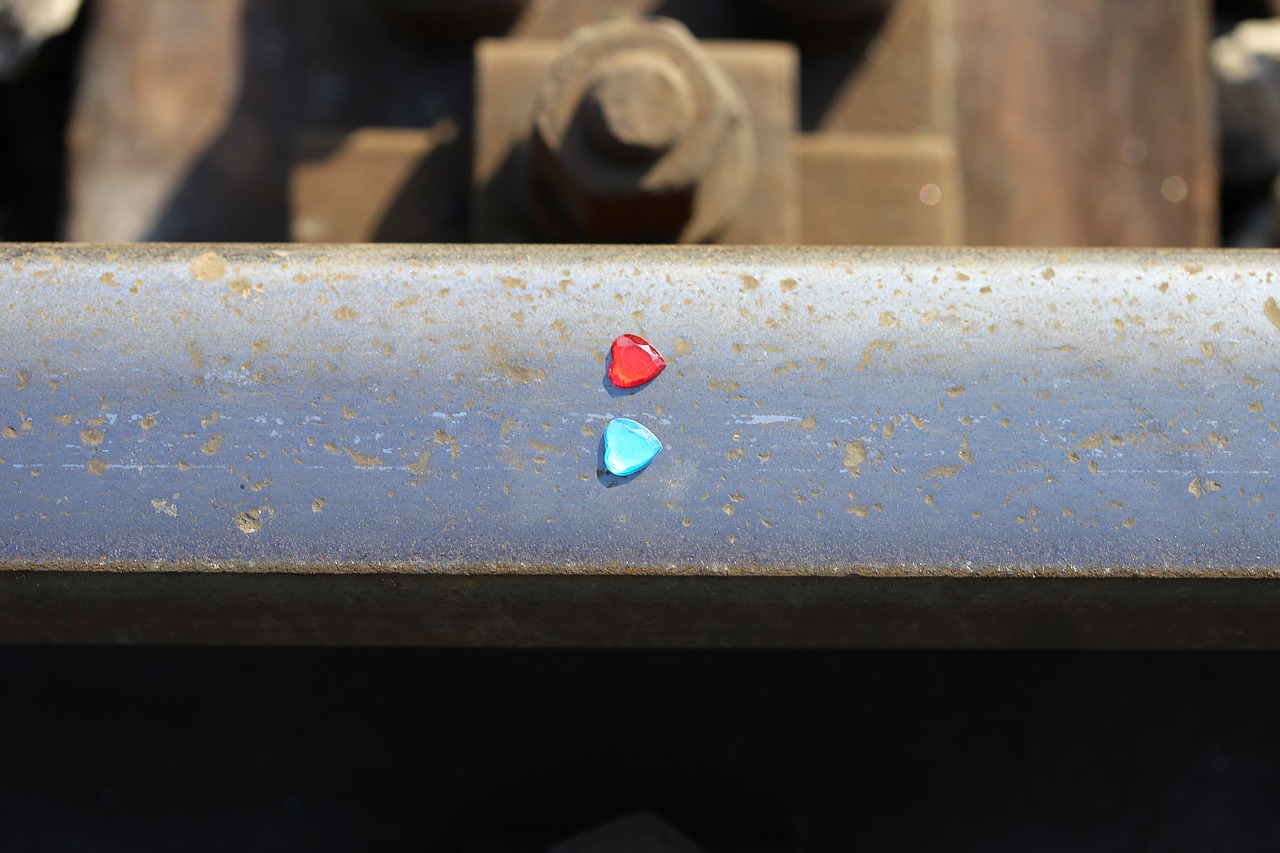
(437, 411)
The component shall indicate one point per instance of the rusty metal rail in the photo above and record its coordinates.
(863, 447)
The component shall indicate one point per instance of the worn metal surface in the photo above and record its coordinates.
(436, 411)
(440, 409)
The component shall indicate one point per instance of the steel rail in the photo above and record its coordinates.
(407, 439)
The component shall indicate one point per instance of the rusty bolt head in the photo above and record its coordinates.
(637, 107)
(637, 136)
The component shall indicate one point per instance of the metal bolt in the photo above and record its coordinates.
(638, 106)
(637, 137)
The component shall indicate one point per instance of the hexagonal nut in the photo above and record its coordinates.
(637, 137)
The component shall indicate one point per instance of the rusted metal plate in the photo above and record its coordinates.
(908, 189)
(1087, 123)
(374, 185)
(435, 411)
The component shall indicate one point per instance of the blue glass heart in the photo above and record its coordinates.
(628, 446)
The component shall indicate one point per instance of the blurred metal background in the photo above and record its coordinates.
(916, 122)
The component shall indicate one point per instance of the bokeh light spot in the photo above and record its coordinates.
(930, 194)
(1133, 151)
(1174, 189)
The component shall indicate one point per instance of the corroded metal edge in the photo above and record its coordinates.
(634, 612)
(738, 570)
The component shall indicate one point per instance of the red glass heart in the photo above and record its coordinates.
(635, 361)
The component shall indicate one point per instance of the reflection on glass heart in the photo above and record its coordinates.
(635, 361)
(628, 446)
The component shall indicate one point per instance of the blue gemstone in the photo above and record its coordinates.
(628, 446)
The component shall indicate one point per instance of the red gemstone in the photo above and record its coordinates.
(635, 361)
